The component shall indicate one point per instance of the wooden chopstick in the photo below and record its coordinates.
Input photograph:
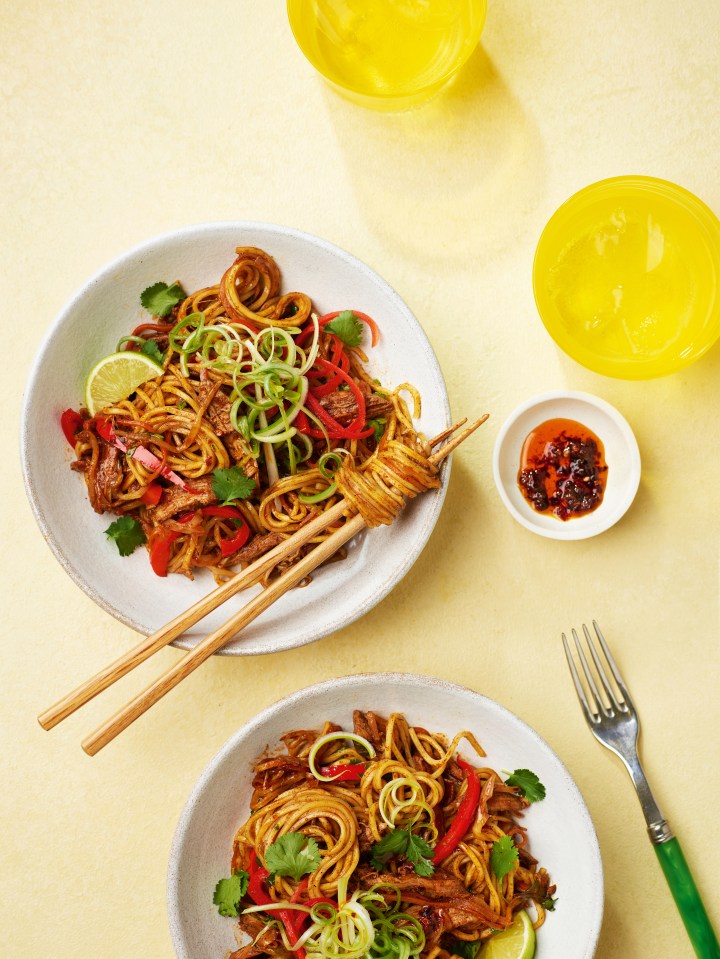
(93, 743)
(166, 634)
(198, 654)
(251, 574)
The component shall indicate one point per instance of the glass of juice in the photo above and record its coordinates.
(387, 54)
(626, 277)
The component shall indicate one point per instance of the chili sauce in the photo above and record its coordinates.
(563, 469)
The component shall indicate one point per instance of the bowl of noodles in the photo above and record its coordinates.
(268, 360)
(384, 814)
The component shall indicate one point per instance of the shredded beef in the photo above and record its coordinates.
(177, 500)
(439, 886)
(218, 410)
(342, 405)
(260, 544)
(264, 941)
(370, 727)
(107, 478)
(218, 413)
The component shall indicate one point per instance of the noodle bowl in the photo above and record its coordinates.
(105, 309)
(388, 813)
(260, 403)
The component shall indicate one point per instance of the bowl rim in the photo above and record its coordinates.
(131, 254)
(349, 682)
(566, 531)
(709, 225)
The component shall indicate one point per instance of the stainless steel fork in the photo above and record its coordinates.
(613, 720)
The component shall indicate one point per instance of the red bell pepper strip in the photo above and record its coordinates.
(344, 772)
(464, 816)
(236, 542)
(325, 367)
(160, 552)
(228, 546)
(228, 512)
(139, 453)
(71, 423)
(151, 496)
(259, 895)
(231, 544)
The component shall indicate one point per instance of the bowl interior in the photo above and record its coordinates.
(626, 277)
(107, 308)
(561, 834)
(621, 455)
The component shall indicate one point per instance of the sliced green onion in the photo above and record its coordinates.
(331, 737)
(128, 339)
(402, 802)
(318, 497)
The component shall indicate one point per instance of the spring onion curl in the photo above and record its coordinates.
(252, 380)
(363, 925)
(340, 737)
(354, 905)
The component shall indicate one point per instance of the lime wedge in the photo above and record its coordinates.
(116, 377)
(515, 942)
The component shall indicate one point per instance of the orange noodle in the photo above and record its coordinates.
(379, 841)
(254, 387)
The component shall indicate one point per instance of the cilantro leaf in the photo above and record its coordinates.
(151, 349)
(420, 854)
(347, 327)
(466, 950)
(549, 903)
(127, 534)
(292, 855)
(528, 783)
(160, 298)
(229, 893)
(391, 844)
(423, 867)
(403, 842)
(232, 483)
(504, 856)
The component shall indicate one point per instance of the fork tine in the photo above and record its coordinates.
(602, 675)
(599, 705)
(613, 668)
(589, 715)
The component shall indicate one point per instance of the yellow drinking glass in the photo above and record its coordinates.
(627, 277)
(387, 54)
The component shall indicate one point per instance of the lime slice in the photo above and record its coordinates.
(515, 942)
(116, 377)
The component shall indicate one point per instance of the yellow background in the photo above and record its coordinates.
(121, 121)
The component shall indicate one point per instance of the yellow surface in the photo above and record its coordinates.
(120, 122)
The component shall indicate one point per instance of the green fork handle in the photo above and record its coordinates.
(687, 899)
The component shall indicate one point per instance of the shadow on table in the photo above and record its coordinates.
(429, 179)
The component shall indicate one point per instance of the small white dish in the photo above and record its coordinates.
(560, 832)
(621, 455)
(108, 307)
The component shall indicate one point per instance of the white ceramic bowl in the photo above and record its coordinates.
(621, 454)
(561, 834)
(88, 328)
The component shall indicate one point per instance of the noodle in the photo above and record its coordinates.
(252, 381)
(414, 785)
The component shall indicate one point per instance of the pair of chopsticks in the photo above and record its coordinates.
(252, 574)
